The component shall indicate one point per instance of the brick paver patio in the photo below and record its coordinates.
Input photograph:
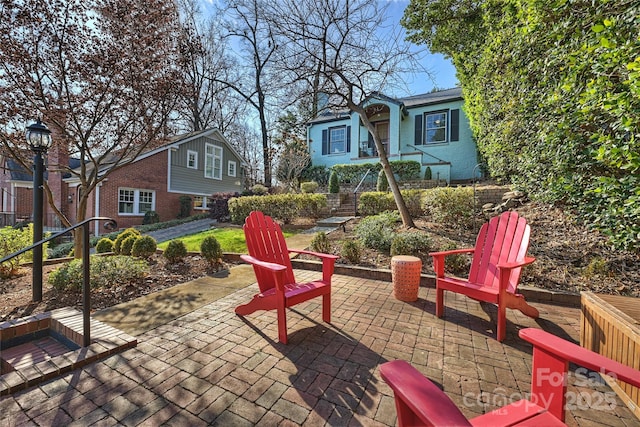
(211, 367)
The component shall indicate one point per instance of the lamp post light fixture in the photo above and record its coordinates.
(39, 139)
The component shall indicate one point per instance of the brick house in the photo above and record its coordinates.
(198, 165)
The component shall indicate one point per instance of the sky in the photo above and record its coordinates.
(442, 70)
(443, 73)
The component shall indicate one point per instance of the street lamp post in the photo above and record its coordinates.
(39, 139)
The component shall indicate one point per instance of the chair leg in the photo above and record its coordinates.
(518, 302)
(326, 308)
(502, 322)
(258, 302)
(439, 302)
(282, 320)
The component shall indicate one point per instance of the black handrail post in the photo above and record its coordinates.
(86, 287)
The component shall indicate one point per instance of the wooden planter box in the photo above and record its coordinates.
(610, 325)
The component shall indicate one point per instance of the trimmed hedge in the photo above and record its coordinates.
(283, 207)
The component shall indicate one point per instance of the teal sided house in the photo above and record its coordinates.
(431, 129)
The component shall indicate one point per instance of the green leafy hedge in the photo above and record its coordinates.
(375, 202)
(283, 207)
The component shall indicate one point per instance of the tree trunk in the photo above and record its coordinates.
(407, 221)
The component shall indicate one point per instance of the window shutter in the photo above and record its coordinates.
(455, 125)
(369, 138)
(348, 131)
(325, 142)
(418, 131)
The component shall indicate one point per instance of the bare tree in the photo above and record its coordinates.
(101, 74)
(292, 151)
(247, 26)
(336, 47)
(205, 63)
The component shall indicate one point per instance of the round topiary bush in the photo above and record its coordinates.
(126, 233)
(410, 244)
(351, 251)
(211, 250)
(176, 251)
(104, 245)
(127, 244)
(144, 247)
(309, 187)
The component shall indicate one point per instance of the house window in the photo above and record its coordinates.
(231, 168)
(436, 127)
(135, 202)
(213, 161)
(200, 202)
(192, 159)
(337, 139)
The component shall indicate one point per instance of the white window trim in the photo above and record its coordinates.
(204, 205)
(344, 141)
(195, 159)
(136, 201)
(231, 168)
(426, 129)
(212, 157)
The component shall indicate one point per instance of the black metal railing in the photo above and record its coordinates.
(110, 224)
(355, 192)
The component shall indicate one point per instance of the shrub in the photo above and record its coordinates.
(104, 245)
(451, 206)
(320, 243)
(61, 251)
(282, 207)
(382, 184)
(375, 202)
(334, 183)
(176, 252)
(309, 187)
(377, 231)
(151, 217)
(219, 206)
(185, 206)
(427, 173)
(596, 267)
(410, 243)
(457, 263)
(117, 244)
(13, 240)
(259, 190)
(127, 244)
(351, 251)
(414, 201)
(319, 174)
(211, 250)
(103, 272)
(143, 247)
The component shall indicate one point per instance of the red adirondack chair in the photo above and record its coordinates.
(419, 402)
(269, 256)
(498, 256)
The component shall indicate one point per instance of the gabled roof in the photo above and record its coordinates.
(413, 101)
(174, 142)
(18, 173)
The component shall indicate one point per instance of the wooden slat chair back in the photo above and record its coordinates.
(269, 256)
(498, 257)
(419, 402)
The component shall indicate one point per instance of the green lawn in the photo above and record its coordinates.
(231, 240)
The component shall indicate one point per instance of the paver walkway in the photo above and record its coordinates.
(211, 367)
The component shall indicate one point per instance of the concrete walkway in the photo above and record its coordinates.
(185, 229)
(211, 367)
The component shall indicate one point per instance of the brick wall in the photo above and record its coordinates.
(147, 174)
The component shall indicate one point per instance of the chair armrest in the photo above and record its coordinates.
(316, 254)
(573, 353)
(263, 264)
(451, 252)
(511, 265)
(418, 400)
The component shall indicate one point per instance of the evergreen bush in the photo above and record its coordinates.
(104, 272)
(410, 243)
(185, 206)
(382, 184)
(334, 183)
(176, 252)
(211, 250)
(309, 187)
(117, 244)
(351, 251)
(104, 245)
(151, 217)
(320, 243)
(127, 244)
(377, 231)
(143, 247)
